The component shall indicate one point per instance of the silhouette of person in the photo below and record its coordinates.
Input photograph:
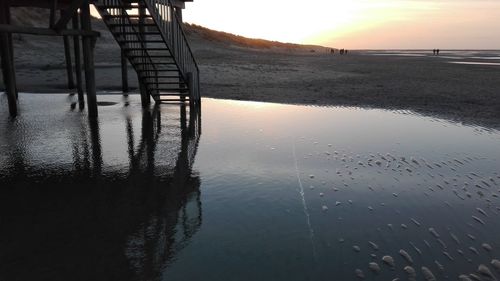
(437, 52)
(433, 52)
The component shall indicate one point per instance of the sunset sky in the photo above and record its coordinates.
(357, 24)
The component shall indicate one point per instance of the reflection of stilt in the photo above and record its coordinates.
(142, 221)
(181, 215)
(150, 131)
(95, 140)
(87, 152)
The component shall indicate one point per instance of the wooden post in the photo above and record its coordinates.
(183, 118)
(78, 64)
(124, 72)
(69, 67)
(144, 94)
(178, 13)
(67, 56)
(53, 9)
(190, 85)
(88, 61)
(145, 98)
(6, 52)
(11, 43)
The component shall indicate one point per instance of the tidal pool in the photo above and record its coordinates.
(243, 191)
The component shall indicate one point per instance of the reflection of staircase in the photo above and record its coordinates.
(151, 37)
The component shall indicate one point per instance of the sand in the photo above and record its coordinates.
(426, 85)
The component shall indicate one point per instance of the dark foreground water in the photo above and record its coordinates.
(243, 191)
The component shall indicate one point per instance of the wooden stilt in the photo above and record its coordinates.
(124, 73)
(145, 98)
(88, 61)
(192, 99)
(9, 76)
(11, 43)
(144, 94)
(69, 67)
(183, 117)
(78, 64)
(53, 9)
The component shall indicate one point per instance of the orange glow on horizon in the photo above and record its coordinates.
(356, 23)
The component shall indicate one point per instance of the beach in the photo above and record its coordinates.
(297, 163)
(310, 75)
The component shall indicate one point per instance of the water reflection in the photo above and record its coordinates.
(85, 219)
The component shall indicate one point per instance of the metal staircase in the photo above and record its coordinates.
(152, 39)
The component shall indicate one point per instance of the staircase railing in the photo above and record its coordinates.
(130, 41)
(163, 13)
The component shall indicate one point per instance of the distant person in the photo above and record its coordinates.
(346, 51)
(332, 51)
(437, 52)
(433, 52)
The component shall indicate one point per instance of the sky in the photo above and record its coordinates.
(357, 24)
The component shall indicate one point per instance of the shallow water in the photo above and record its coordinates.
(475, 63)
(470, 57)
(241, 191)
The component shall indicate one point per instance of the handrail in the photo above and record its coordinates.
(174, 36)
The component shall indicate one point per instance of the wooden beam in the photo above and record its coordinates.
(88, 60)
(45, 4)
(78, 65)
(67, 15)
(46, 31)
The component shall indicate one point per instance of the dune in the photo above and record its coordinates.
(235, 67)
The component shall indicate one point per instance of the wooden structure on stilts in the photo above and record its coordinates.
(149, 33)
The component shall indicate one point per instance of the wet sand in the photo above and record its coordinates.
(426, 85)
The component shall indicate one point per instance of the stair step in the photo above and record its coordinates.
(167, 83)
(156, 63)
(130, 24)
(169, 95)
(145, 32)
(149, 56)
(181, 90)
(173, 101)
(145, 49)
(161, 69)
(161, 76)
(124, 16)
(122, 6)
(140, 41)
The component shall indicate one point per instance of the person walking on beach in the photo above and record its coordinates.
(433, 52)
(437, 52)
